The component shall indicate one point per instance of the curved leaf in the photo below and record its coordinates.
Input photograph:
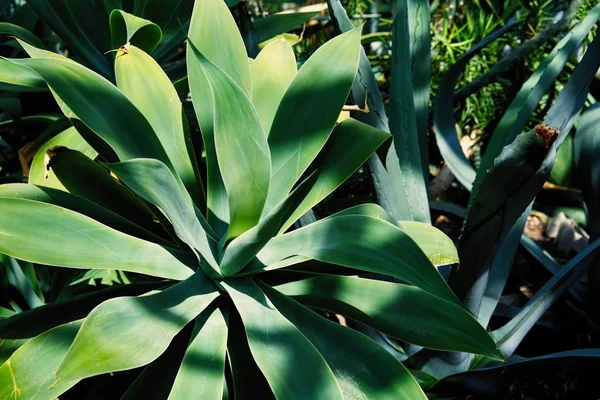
(129, 332)
(52, 235)
(405, 312)
(126, 28)
(20, 32)
(151, 91)
(241, 149)
(350, 145)
(360, 242)
(350, 355)
(272, 72)
(155, 183)
(286, 358)
(30, 372)
(203, 367)
(298, 133)
(276, 24)
(17, 79)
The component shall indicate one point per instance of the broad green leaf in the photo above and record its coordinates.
(243, 248)
(291, 364)
(47, 234)
(155, 183)
(87, 179)
(31, 323)
(350, 355)
(298, 132)
(276, 24)
(79, 205)
(408, 141)
(350, 145)
(69, 138)
(360, 242)
(151, 91)
(100, 106)
(272, 72)
(203, 367)
(419, 22)
(20, 32)
(405, 312)
(128, 29)
(241, 148)
(129, 332)
(229, 54)
(18, 79)
(30, 372)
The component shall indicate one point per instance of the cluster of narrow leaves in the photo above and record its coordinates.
(224, 294)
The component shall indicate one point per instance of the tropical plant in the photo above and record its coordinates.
(512, 171)
(209, 266)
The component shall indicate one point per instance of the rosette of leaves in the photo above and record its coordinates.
(226, 297)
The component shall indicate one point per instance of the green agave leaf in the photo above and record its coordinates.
(350, 145)
(20, 32)
(438, 247)
(419, 23)
(298, 133)
(285, 356)
(126, 28)
(241, 149)
(31, 323)
(360, 242)
(37, 232)
(85, 178)
(154, 182)
(350, 355)
(272, 72)
(30, 372)
(229, 54)
(405, 312)
(562, 170)
(99, 105)
(506, 191)
(82, 26)
(203, 367)
(279, 23)
(151, 91)
(408, 141)
(243, 248)
(70, 138)
(498, 378)
(129, 332)
(79, 205)
(587, 148)
(17, 79)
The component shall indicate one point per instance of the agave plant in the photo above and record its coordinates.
(220, 283)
